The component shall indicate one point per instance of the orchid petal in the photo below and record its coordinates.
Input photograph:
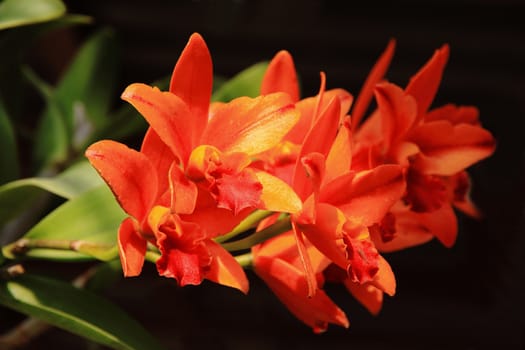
(129, 174)
(447, 149)
(161, 158)
(454, 114)
(183, 192)
(424, 84)
(326, 234)
(306, 263)
(167, 114)
(375, 76)
(132, 248)
(192, 81)
(251, 125)
(398, 112)
(307, 107)
(224, 269)
(367, 196)
(367, 294)
(281, 76)
(277, 195)
(289, 285)
(339, 158)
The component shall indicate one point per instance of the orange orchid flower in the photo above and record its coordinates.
(192, 179)
(338, 204)
(434, 147)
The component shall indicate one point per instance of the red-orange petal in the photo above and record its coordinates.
(367, 294)
(289, 285)
(167, 114)
(398, 112)
(161, 158)
(129, 174)
(224, 269)
(132, 248)
(277, 195)
(375, 76)
(192, 81)
(183, 192)
(339, 158)
(367, 196)
(281, 76)
(424, 84)
(447, 149)
(251, 125)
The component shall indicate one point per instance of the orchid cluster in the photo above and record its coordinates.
(301, 190)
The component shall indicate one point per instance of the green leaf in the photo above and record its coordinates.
(86, 89)
(9, 155)
(14, 13)
(19, 195)
(75, 310)
(246, 83)
(80, 103)
(93, 217)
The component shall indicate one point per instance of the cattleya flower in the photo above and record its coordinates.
(434, 147)
(192, 179)
(339, 205)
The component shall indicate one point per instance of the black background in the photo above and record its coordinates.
(467, 297)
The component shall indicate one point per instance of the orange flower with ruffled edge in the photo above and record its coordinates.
(338, 204)
(192, 181)
(434, 146)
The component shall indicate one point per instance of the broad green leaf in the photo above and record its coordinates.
(19, 195)
(9, 155)
(75, 310)
(93, 217)
(52, 142)
(79, 104)
(87, 88)
(14, 13)
(246, 83)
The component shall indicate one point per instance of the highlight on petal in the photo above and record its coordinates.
(132, 248)
(167, 114)
(339, 158)
(424, 84)
(192, 81)
(224, 269)
(277, 195)
(375, 76)
(281, 76)
(251, 125)
(447, 149)
(289, 285)
(129, 174)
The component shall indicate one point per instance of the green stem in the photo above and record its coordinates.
(152, 256)
(248, 223)
(104, 252)
(279, 227)
(245, 260)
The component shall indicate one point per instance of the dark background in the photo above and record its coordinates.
(467, 297)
